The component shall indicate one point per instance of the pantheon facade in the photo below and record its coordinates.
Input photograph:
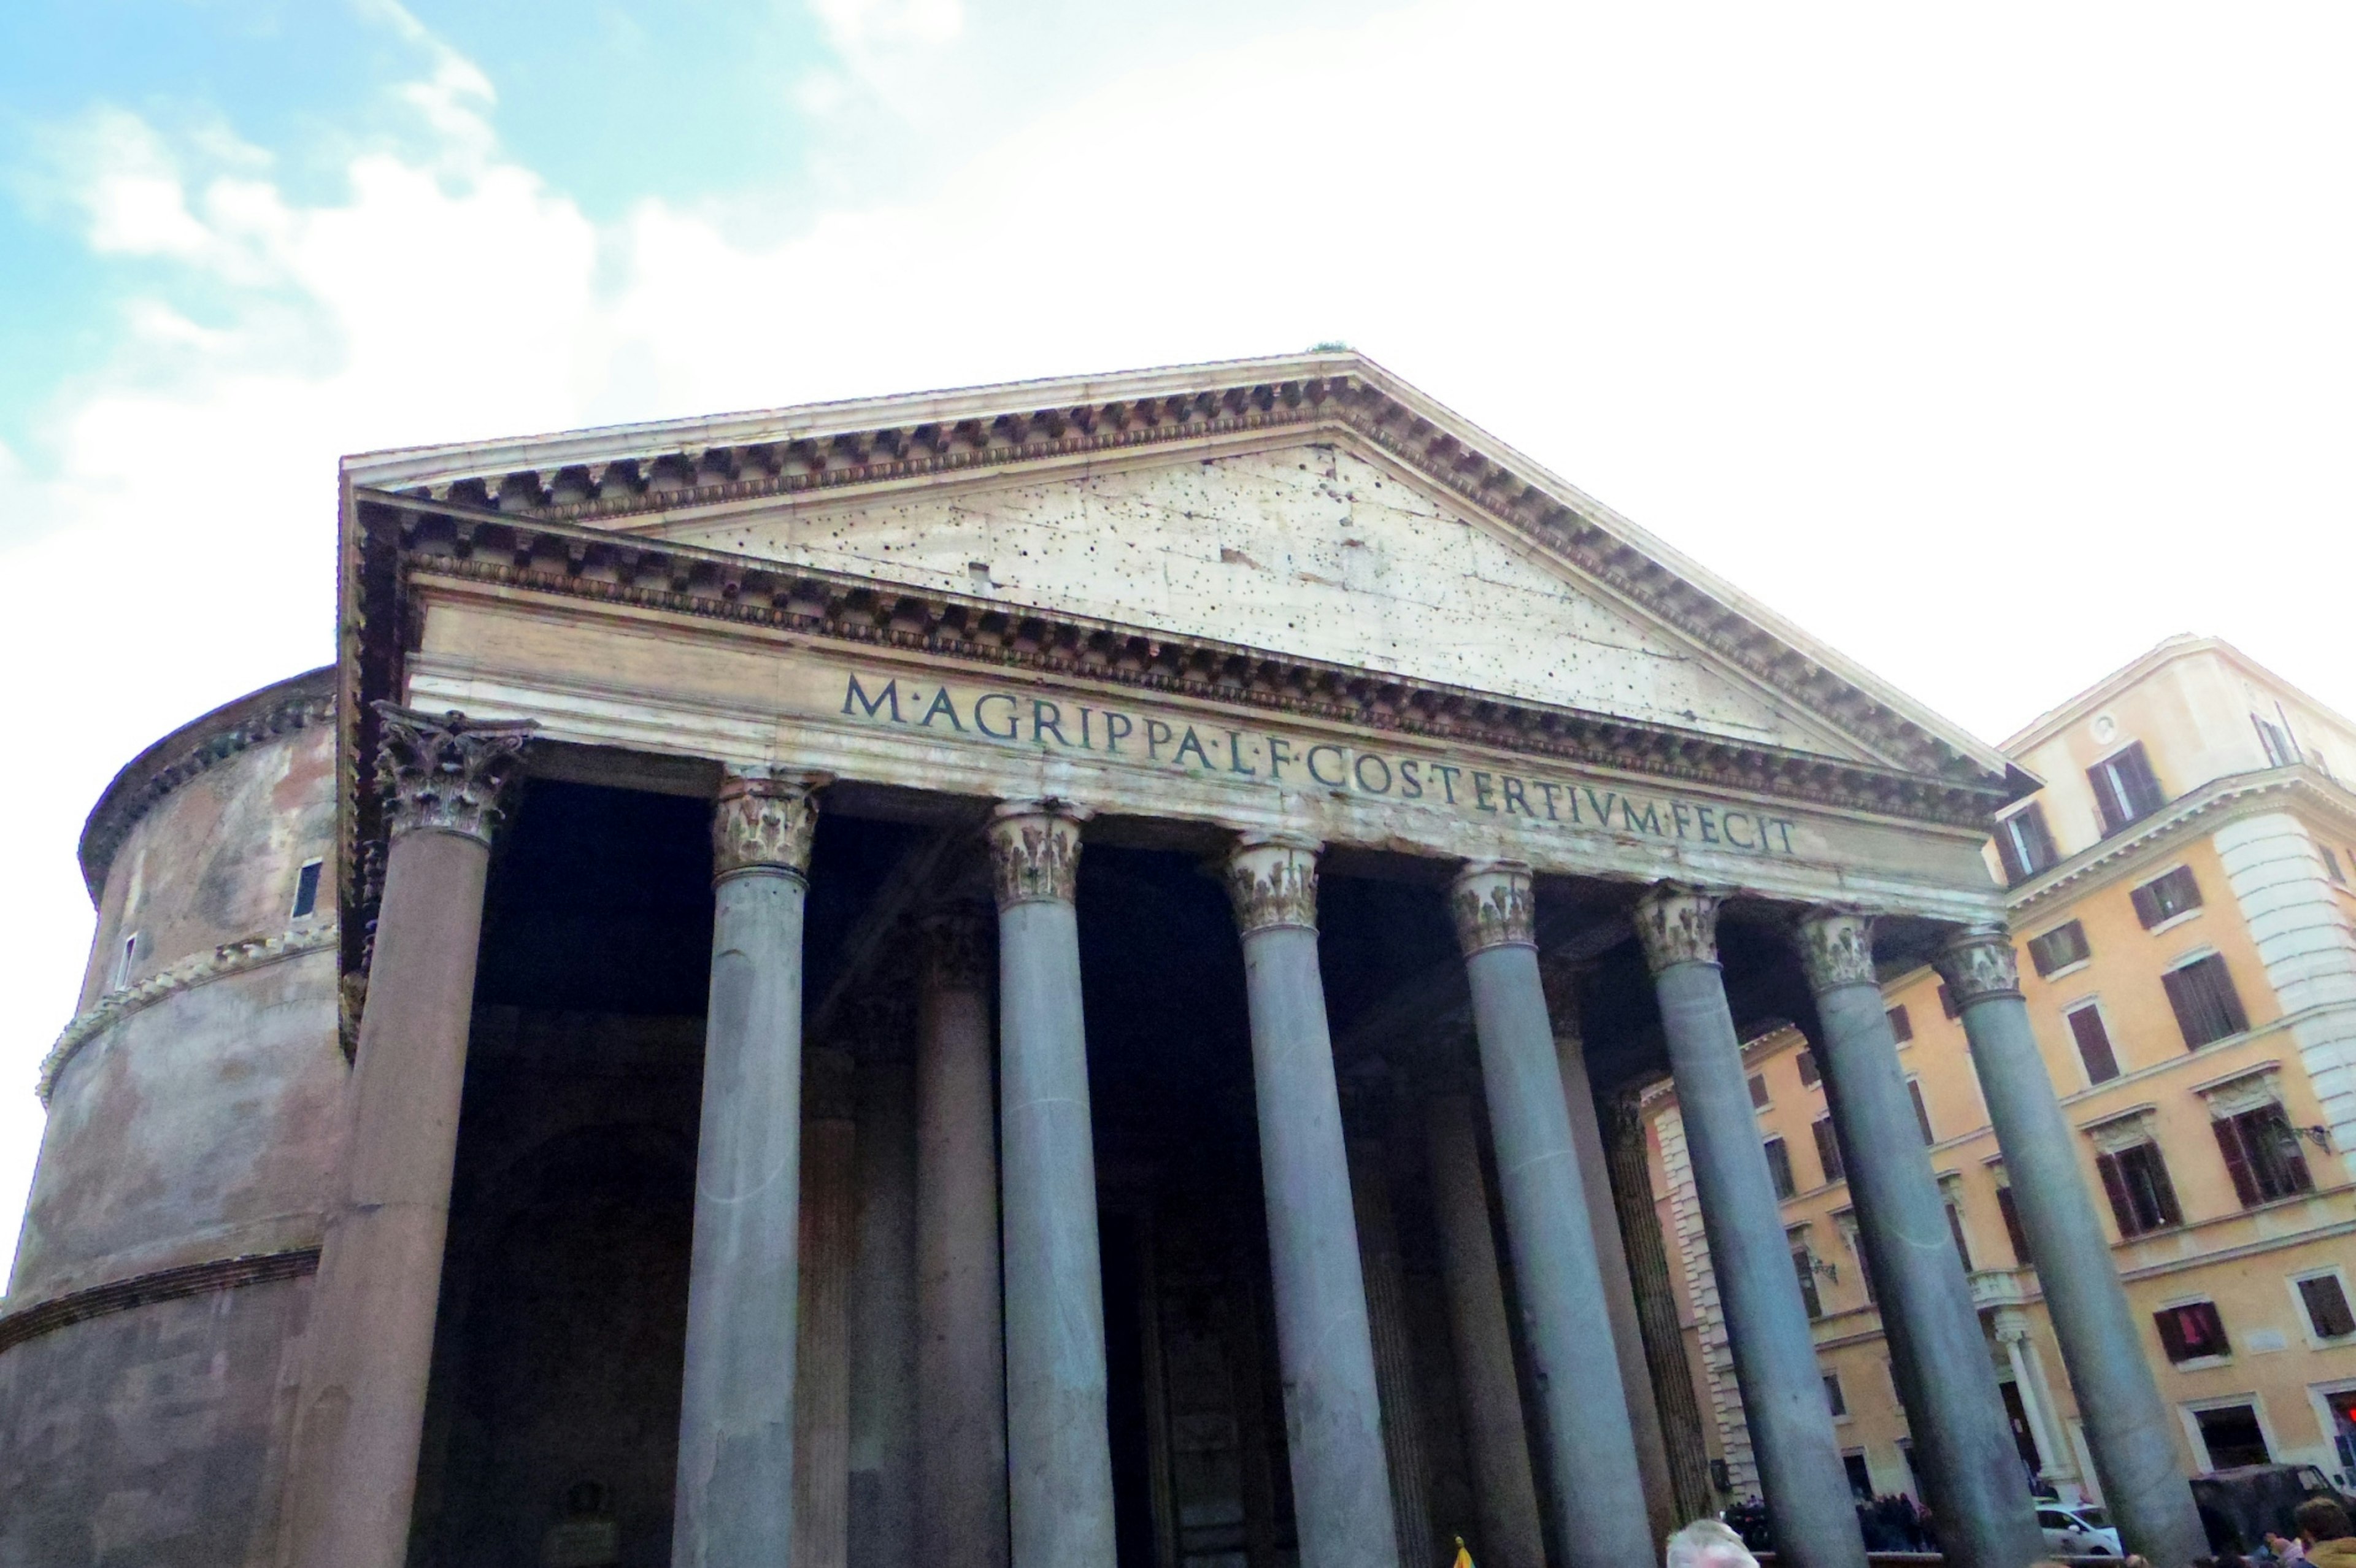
(1044, 977)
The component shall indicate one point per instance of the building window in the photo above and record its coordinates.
(2166, 897)
(1779, 1168)
(2233, 1436)
(1808, 1073)
(2281, 750)
(1860, 1479)
(1759, 1091)
(2058, 948)
(1833, 1394)
(306, 890)
(1807, 1268)
(1922, 1111)
(2331, 866)
(1901, 1027)
(2093, 1043)
(2013, 1233)
(2192, 1332)
(123, 960)
(2325, 1301)
(1829, 1150)
(2025, 844)
(1947, 1003)
(2261, 1154)
(1956, 1230)
(2207, 1007)
(2134, 1180)
(2126, 789)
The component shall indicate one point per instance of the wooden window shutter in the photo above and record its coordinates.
(1829, 1153)
(2237, 1161)
(2094, 1045)
(2107, 799)
(2114, 1187)
(2007, 851)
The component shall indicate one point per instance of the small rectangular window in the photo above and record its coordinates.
(2142, 1197)
(2191, 1332)
(1833, 1394)
(1829, 1153)
(2058, 948)
(2166, 896)
(1807, 1268)
(2233, 1436)
(306, 889)
(1759, 1091)
(1808, 1073)
(2261, 1155)
(1901, 1027)
(2207, 1007)
(2331, 866)
(1956, 1230)
(2013, 1233)
(2280, 749)
(2095, 1050)
(2126, 789)
(1860, 1479)
(120, 976)
(1947, 1003)
(2327, 1306)
(2025, 844)
(1779, 1168)
(1922, 1111)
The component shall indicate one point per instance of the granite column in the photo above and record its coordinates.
(1598, 1494)
(1972, 1470)
(1059, 1449)
(2130, 1431)
(1808, 1497)
(883, 1301)
(443, 781)
(735, 1500)
(1341, 1482)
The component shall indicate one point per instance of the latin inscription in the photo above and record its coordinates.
(1031, 721)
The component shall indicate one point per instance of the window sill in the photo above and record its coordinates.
(2071, 967)
(2172, 922)
(2200, 1363)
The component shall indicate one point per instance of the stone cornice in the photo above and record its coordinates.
(41, 1318)
(277, 709)
(441, 541)
(2236, 795)
(615, 478)
(229, 958)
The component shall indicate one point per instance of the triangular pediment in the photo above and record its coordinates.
(1312, 508)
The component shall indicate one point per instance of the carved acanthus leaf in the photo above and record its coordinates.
(1273, 881)
(1493, 906)
(765, 821)
(1979, 962)
(957, 954)
(1677, 925)
(1835, 948)
(447, 773)
(1034, 852)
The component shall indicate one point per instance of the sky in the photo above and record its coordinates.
(1992, 344)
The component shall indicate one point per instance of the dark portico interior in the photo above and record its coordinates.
(554, 1396)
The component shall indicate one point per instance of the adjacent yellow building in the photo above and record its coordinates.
(2180, 889)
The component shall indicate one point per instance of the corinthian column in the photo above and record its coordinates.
(1058, 1449)
(1598, 1495)
(443, 781)
(1971, 1469)
(960, 1341)
(1808, 1497)
(735, 1500)
(2128, 1429)
(1333, 1424)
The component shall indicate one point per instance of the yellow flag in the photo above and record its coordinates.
(1463, 1558)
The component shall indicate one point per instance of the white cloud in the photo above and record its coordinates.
(1990, 349)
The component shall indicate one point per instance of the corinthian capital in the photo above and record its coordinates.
(1035, 852)
(1677, 923)
(765, 822)
(1560, 975)
(1835, 948)
(1491, 902)
(1978, 962)
(957, 949)
(1272, 881)
(446, 772)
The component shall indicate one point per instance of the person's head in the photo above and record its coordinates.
(1706, 1543)
(2320, 1519)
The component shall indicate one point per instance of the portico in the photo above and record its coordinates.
(1207, 967)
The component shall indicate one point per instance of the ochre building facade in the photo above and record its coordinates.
(2182, 888)
(1036, 976)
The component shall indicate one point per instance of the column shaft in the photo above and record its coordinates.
(735, 1490)
(1340, 1483)
(883, 1315)
(363, 1402)
(1370, 1193)
(1059, 1452)
(1808, 1498)
(822, 1354)
(1598, 1492)
(1962, 1436)
(2128, 1429)
(1488, 1391)
(960, 1337)
(1611, 1256)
